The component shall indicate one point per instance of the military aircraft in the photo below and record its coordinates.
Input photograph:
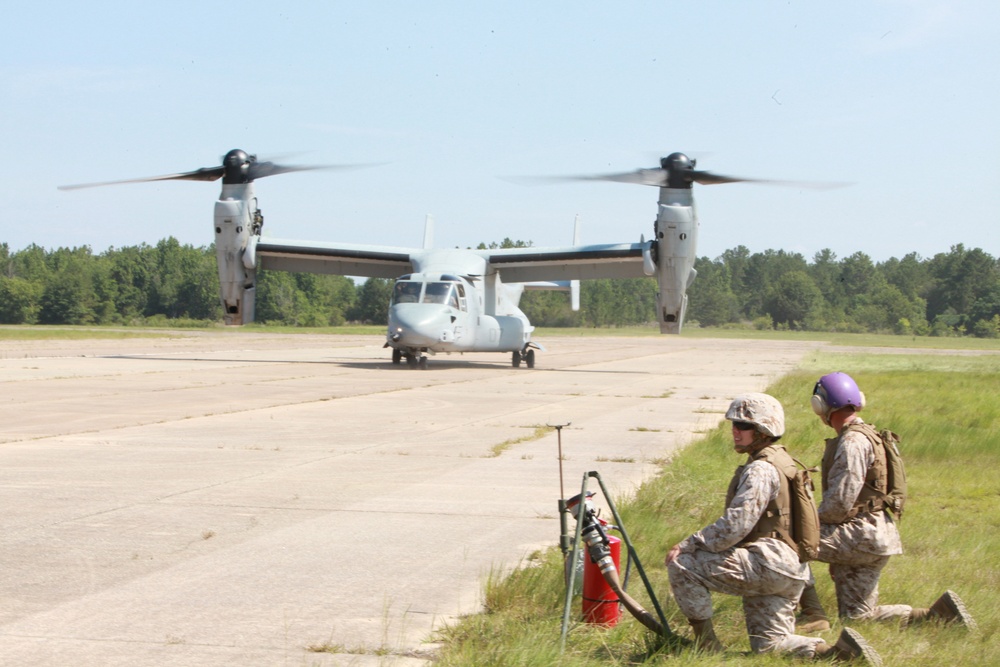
(454, 300)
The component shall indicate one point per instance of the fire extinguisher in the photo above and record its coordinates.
(604, 552)
(601, 604)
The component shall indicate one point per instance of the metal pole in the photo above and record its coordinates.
(563, 532)
(559, 428)
(571, 580)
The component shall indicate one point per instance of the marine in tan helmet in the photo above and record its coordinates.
(742, 553)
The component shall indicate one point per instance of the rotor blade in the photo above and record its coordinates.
(658, 178)
(203, 174)
(709, 178)
(654, 177)
(265, 169)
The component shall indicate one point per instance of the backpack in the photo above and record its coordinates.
(801, 529)
(895, 493)
(805, 517)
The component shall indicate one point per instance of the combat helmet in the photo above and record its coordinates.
(761, 410)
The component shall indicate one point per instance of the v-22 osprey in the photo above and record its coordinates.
(455, 300)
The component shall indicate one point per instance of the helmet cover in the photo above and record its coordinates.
(761, 410)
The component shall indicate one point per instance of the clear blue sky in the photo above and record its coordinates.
(899, 98)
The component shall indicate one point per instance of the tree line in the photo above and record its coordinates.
(951, 294)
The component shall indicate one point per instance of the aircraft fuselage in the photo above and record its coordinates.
(443, 312)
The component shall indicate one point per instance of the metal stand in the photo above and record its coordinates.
(630, 550)
(564, 541)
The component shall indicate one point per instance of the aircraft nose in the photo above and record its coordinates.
(419, 324)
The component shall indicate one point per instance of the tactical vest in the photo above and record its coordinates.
(776, 521)
(870, 499)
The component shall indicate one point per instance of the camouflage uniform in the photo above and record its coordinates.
(766, 573)
(856, 548)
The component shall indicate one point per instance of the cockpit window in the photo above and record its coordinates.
(406, 292)
(441, 293)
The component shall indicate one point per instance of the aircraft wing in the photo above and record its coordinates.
(369, 261)
(585, 262)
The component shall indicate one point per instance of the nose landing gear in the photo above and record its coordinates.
(527, 356)
(414, 359)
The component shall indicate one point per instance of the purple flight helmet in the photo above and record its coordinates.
(835, 391)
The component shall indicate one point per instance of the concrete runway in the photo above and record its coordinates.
(232, 498)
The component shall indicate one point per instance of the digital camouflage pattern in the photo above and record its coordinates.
(856, 548)
(766, 573)
(762, 410)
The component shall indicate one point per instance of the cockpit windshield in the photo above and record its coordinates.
(406, 292)
(441, 293)
(445, 293)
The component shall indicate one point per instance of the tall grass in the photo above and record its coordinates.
(949, 421)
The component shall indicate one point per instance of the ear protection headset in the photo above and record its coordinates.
(823, 404)
(818, 401)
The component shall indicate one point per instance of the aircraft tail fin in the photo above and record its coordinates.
(574, 285)
(428, 232)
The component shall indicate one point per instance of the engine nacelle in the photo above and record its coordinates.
(676, 240)
(234, 221)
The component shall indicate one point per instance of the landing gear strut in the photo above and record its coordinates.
(527, 356)
(413, 356)
(414, 360)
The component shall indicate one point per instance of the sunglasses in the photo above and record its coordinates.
(743, 426)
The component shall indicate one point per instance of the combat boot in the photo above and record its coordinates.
(948, 608)
(704, 636)
(850, 646)
(812, 618)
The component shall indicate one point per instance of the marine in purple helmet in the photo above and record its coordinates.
(858, 533)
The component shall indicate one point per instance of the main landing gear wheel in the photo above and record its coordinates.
(422, 364)
(529, 358)
(411, 361)
(515, 359)
(397, 356)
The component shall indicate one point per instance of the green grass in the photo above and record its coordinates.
(164, 327)
(95, 332)
(17, 332)
(844, 339)
(949, 421)
(537, 433)
(345, 330)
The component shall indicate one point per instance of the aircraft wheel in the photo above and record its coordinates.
(411, 361)
(529, 358)
(397, 356)
(515, 359)
(422, 364)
